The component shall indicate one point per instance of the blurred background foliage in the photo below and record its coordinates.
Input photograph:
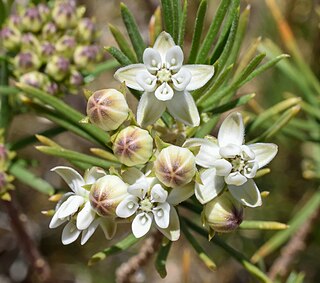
(295, 171)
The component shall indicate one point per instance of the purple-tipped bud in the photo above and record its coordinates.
(14, 21)
(86, 30)
(85, 56)
(58, 67)
(11, 38)
(47, 50)
(76, 78)
(4, 155)
(66, 45)
(64, 14)
(49, 31)
(26, 61)
(31, 20)
(44, 12)
(30, 42)
(35, 79)
(51, 88)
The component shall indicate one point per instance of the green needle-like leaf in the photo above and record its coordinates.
(262, 225)
(183, 23)
(99, 69)
(167, 13)
(161, 259)
(176, 10)
(118, 55)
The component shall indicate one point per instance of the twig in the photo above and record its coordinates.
(126, 270)
(18, 222)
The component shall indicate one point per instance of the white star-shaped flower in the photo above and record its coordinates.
(228, 161)
(166, 83)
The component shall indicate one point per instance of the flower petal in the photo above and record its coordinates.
(70, 233)
(109, 227)
(93, 174)
(173, 230)
(248, 194)
(251, 170)
(70, 206)
(235, 178)
(183, 108)
(72, 178)
(139, 188)
(223, 167)
(149, 109)
(141, 224)
(85, 217)
(56, 221)
(161, 215)
(147, 81)
(127, 207)
(211, 186)
(200, 75)
(164, 92)
(158, 194)
(87, 233)
(264, 152)
(178, 195)
(231, 130)
(163, 43)
(152, 60)
(181, 80)
(128, 75)
(132, 175)
(174, 58)
(230, 150)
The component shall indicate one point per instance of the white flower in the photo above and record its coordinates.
(228, 161)
(166, 83)
(148, 200)
(75, 207)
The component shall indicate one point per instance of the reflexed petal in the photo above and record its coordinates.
(128, 75)
(230, 150)
(248, 194)
(163, 43)
(181, 80)
(70, 206)
(152, 60)
(127, 207)
(87, 233)
(208, 154)
(109, 227)
(85, 217)
(70, 233)
(149, 109)
(174, 58)
(93, 175)
(158, 194)
(235, 178)
(264, 152)
(147, 81)
(164, 92)
(223, 167)
(183, 108)
(72, 178)
(132, 175)
(181, 194)
(200, 75)
(231, 130)
(173, 230)
(56, 221)
(211, 186)
(161, 215)
(141, 224)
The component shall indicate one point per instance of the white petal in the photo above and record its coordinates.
(174, 58)
(183, 108)
(223, 167)
(178, 195)
(70, 206)
(147, 81)
(56, 221)
(139, 188)
(211, 186)
(72, 178)
(247, 153)
(132, 175)
(181, 80)
(70, 233)
(128, 75)
(248, 194)
(231, 130)
(85, 217)
(141, 224)
(109, 227)
(173, 230)
(264, 152)
(127, 207)
(158, 194)
(152, 59)
(200, 75)
(149, 109)
(87, 233)
(251, 170)
(235, 178)
(163, 43)
(93, 174)
(208, 153)
(161, 215)
(230, 150)
(164, 92)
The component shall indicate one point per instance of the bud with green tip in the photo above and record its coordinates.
(66, 45)
(25, 62)
(106, 193)
(64, 14)
(223, 214)
(11, 37)
(133, 146)
(107, 108)
(31, 20)
(175, 166)
(58, 67)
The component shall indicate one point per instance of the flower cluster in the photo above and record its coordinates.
(51, 47)
(158, 171)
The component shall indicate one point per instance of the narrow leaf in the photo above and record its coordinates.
(167, 14)
(183, 21)
(118, 55)
(262, 225)
(161, 259)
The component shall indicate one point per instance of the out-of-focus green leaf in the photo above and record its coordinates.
(99, 69)
(118, 55)
(183, 23)
(262, 225)
(161, 259)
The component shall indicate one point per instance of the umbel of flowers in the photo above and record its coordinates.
(157, 174)
(51, 46)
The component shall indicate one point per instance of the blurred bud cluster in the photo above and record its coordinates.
(51, 46)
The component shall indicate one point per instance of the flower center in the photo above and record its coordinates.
(241, 163)
(146, 205)
(164, 75)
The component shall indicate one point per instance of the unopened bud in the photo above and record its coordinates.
(51, 88)
(64, 14)
(175, 166)
(223, 214)
(26, 61)
(49, 30)
(66, 45)
(106, 193)
(47, 50)
(14, 21)
(44, 12)
(107, 108)
(11, 38)
(133, 146)
(86, 56)
(30, 42)
(58, 67)
(85, 30)
(31, 20)
(76, 78)
(35, 79)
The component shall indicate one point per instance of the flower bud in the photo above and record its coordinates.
(86, 30)
(175, 166)
(44, 12)
(30, 42)
(58, 67)
(66, 45)
(26, 61)
(31, 20)
(64, 14)
(14, 21)
(51, 88)
(4, 155)
(47, 50)
(106, 193)
(133, 146)
(223, 214)
(107, 108)
(76, 78)
(49, 31)
(86, 56)
(11, 38)
(35, 79)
